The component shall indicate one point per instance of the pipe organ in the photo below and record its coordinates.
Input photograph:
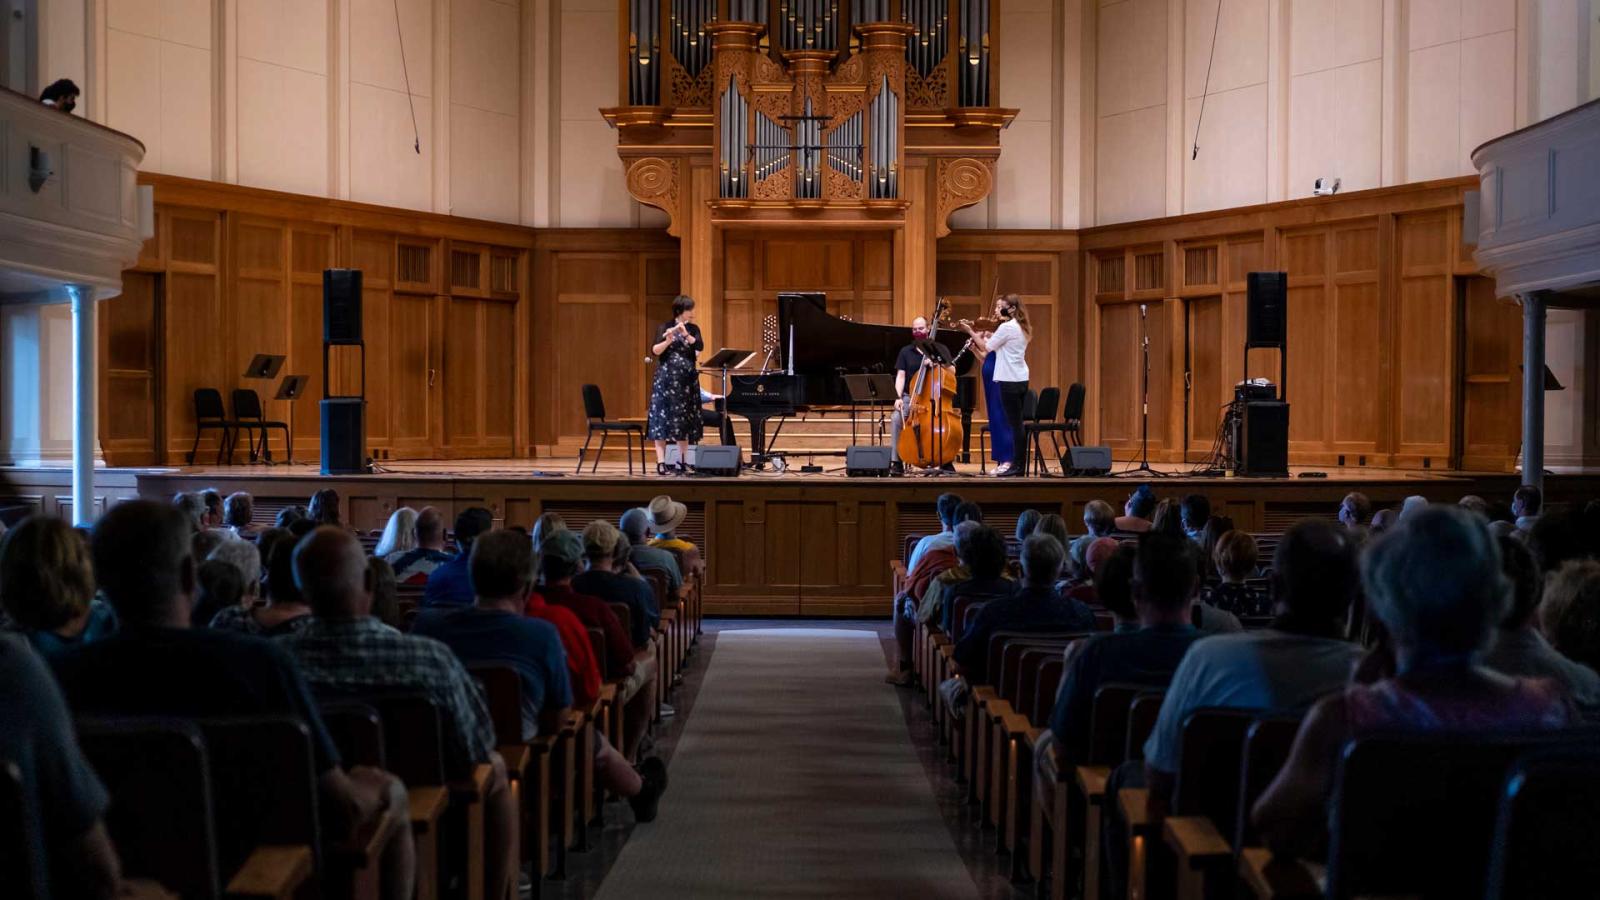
(844, 113)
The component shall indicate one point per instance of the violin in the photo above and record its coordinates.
(931, 433)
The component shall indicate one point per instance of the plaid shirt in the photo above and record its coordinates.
(369, 655)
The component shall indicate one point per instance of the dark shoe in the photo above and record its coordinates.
(901, 678)
(948, 467)
(662, 468)
(897, 468)
(654, 773)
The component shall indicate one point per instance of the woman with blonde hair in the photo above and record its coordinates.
(1009, 344)
(47, 586)
(399, 534)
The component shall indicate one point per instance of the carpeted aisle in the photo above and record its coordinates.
(794, 778)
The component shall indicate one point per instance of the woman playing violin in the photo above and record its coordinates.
(1005, 380)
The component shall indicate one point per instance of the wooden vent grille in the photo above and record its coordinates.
(415, 264)
(503, 274)
(1149, 272)
(1277, 517)
(1200, 265)
(464, 269)
(1110, 277)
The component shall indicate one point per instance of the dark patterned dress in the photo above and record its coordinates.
(675, 395)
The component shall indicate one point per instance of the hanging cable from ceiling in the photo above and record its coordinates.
(1195, 153)
(416, 135)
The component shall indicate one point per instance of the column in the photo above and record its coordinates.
(83, 412)
(1533, 314)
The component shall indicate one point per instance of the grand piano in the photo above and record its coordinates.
(816, 349)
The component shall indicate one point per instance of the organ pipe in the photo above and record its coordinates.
(884, 177)
(926, 47)
(644, 51)
(732, 142)
(975, 64)
(690, 43)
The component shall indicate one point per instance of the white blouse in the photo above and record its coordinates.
(1010, 346)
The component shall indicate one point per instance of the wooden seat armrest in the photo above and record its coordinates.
(984, 693)
(1196, 841)
(1017, 726)
(1035, 735)
(1132, 802)
(574, 720)
(937, 635)
(1092, 781)
(516, 757)
(608, 691)
(366, 843)
(1269, 876)
(475, 785)
(427, 805)
(546, 743)
(275, 871)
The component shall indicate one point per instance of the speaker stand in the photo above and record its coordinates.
(1143, 469)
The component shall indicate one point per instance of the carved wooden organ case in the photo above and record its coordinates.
(809, 108)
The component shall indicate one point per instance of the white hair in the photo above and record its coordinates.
(244, 556)
(1411, 506)
(400, 534)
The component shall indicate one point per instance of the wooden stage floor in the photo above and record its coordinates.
(790, 544)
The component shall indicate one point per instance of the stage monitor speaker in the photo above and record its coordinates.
(344, 436)
(867, 461)
(341, 306)
(1266, 301)
(1263, 445)
(1088, 460)
(717, 459)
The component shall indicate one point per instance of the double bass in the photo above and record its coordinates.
(931, 433)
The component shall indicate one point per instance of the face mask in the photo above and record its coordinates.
(919, 333)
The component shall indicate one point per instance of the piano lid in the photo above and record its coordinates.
(826, 346)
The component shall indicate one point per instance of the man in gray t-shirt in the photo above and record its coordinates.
(70, 849)
(1288, 666)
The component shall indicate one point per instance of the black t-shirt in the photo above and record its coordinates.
(910, 358)
(191, 673)
(616, 588)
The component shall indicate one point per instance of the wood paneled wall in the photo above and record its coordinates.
(1398, 352)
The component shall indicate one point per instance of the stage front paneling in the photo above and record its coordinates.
(783, 545)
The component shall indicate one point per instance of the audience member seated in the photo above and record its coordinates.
(1164, 578)
(583, 670)
(1113, 588)
(201, 543)
(1526, 504)
(1474, 504)
(1168, 517)
(324, 508)
(635, 526)
(1033, 605)
(981, 574)
(1301, 657)
(600, 579)
(47, 586)
(1519, 647)
(1410, 506)
(941, 556)
(385, 594)
(414, 564)
(1135, 518)
(1094, 560)
(1210, 536)
(218, 586)
(547, 524)
(193, 509)
(158, 666)
(1382, 521)
(496, 631)
(285, 611)
(1557, 538)
(1436, 584)
(1028, 523)
(246, 557)
(399, 534)
(450, 583)
(1196, 513)
(212, 500)
(1235, 560)
(238, 515)
(1570, 613)
(65, 801)
(561, 554)
(1100, 520)
(289, 515)
(945, 509)
(1355, 514)
(666, 517)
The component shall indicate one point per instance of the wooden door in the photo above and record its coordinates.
(1490, 386)
(478, 377)
(130, 386)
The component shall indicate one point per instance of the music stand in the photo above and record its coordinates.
(290, 388)
(875, 391)
(264, 365)
(723, 360)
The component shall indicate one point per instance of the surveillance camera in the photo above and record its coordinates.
(1321, 187)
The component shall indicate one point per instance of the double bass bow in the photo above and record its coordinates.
(931, 433)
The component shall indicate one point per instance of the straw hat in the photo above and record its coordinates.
(666, 514)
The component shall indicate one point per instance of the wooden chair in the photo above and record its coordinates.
(209, 414)
(1546, 826)
(20, 868)
(527, 762)
(594, 410)
(251, 419)
(176, 824)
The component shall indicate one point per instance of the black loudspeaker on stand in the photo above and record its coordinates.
(1261, 442)
(344, 417)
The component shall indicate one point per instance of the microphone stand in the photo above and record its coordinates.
(1144, 468)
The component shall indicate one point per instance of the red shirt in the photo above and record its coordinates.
(581, 664)
(594, 613)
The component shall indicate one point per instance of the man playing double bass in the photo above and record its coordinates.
(906, 365)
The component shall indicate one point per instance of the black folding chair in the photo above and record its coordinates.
(1072, 415)
(594, 409)
(210, 414)
(248, 417)
(1043, 420)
